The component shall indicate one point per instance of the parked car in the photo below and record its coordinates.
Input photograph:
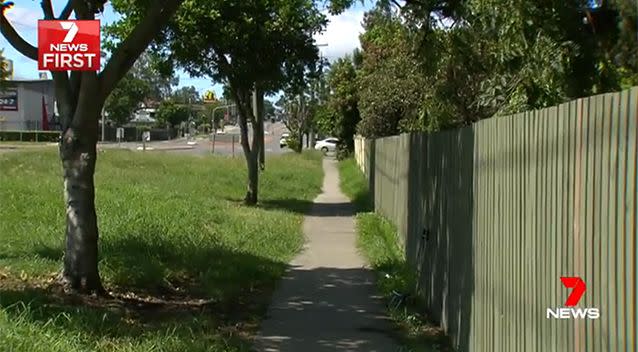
(283, 141)
(327, 145)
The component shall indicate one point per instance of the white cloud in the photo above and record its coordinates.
(24, 18)
(341, 34)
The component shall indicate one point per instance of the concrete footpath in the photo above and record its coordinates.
(327, 301)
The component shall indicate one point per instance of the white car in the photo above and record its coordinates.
(283, 140)
(327, 145)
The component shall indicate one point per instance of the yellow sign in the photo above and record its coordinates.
(209, 97)
(8, 68)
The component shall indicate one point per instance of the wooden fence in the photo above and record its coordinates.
(494, 214)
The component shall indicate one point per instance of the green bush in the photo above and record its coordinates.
(294, 144)
(204, 128)
(343, 152)
(29, 136)
(10, 135)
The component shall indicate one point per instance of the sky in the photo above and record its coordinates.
(341, 35)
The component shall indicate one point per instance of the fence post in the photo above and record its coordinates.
(233, 145)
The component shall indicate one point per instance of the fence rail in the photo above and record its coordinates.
(494, 214)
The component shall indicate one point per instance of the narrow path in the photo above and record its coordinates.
(327, 300)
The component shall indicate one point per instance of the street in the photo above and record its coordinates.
(224, 144)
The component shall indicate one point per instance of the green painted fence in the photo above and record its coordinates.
(494, 214)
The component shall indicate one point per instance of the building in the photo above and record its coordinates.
(144, 116)
(25, 103)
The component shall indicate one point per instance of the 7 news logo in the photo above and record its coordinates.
(578, 290)
(69, 45)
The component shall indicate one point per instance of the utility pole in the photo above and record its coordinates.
(303, 116)
(103, 123)
(311, 132)
(227, 107)
(258, 126)
(190, 120)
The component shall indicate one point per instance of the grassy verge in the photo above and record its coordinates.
(377, 240)
(189, 267)
(354, 185)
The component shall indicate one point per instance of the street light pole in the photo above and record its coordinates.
(103, 122)
(212, 118)
(311, 133)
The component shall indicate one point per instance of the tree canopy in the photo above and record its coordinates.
(431, 65)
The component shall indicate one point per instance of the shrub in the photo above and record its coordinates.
(343, 152)
(294, 144)
(30, 136)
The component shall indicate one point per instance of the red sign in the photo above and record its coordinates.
(578, 286)
(578, 290)
(69, 45)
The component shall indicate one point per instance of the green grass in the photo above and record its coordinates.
(191, 267)
(378, 241)
(354, 185)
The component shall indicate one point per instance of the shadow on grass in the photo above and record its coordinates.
(50, 253)
(363, 202)
(156, 288)
(124, 319)
(206, 269)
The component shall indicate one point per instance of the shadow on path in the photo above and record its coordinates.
(328, 309)
(316, 209)
(327, 300)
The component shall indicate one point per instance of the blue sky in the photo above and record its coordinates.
(341, 35)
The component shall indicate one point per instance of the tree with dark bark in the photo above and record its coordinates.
(296, 116)
(80, 97)
(254, 47)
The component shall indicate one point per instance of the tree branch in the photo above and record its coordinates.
(47, 8)
(16, 40)
(82, 11)
(66, 12)
(396, 3)
(132, 47)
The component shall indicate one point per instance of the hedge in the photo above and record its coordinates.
(30, 136)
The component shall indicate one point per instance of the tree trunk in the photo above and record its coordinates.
(253, 157)
(260, 122)
(78, 154)
(253, 177)
(312, 138)
(300, 148)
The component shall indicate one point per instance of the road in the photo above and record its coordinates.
(204, 146)
(200, 146)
